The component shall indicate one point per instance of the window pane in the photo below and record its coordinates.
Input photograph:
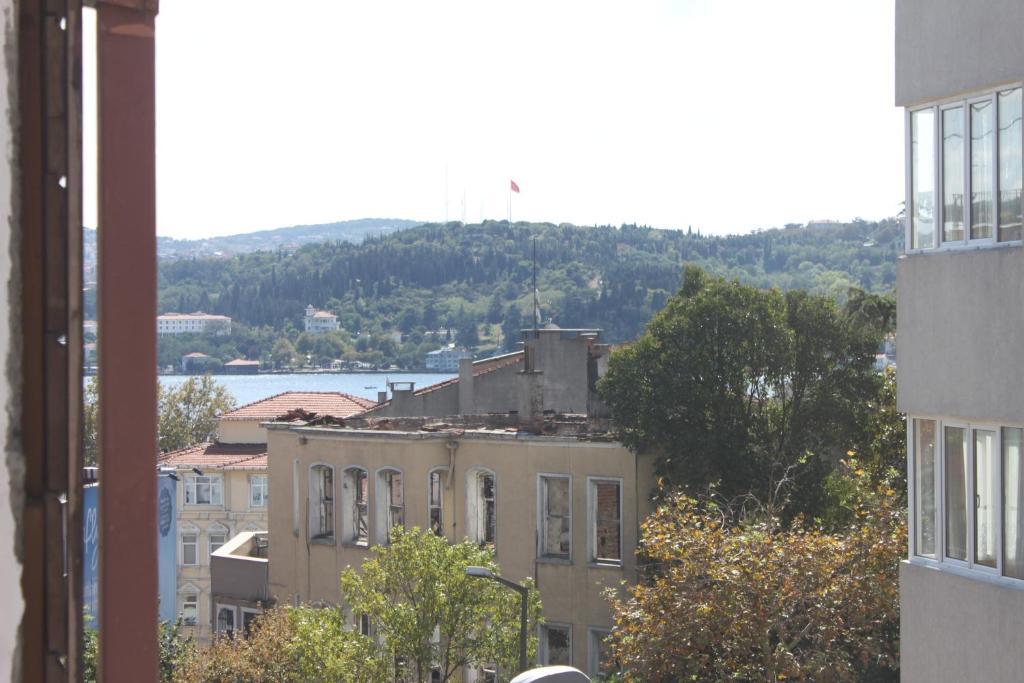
(556, 532)
(986, 497)
(607, 541)
(1013, 504)
(557, 645)
(216, 541)
(226, 620)
(956, 492)
(1010, 173)
(982, 124)
(489, 524)
(436, 524)
(922, 179)
(188, 548)
(924, 487)
(953, 175)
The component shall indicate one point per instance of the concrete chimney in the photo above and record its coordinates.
(466, 398)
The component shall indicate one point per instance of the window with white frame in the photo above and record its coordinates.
(216, 536)
(556, 644)
(249, 616)
(189, 609)
(225, 620)
(967, 497)
(258, 491)
(555, 532)
(597, 654)
(605, 502)
(354, 497)
(435, 501)
(481, 507)
(204, 489)
(321, 502)
(390, 503)
(189, 548)
(966, 171)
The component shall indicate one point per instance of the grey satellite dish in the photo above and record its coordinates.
(552, 674)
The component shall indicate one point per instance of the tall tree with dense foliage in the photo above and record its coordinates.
(416, 588)
(188, 412)
(741, 389)
(750, 599)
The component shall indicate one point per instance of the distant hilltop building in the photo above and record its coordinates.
(446, 359)
(321, 321)
(192, 323)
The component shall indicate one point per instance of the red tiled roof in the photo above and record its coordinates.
(217, 456)
(333, 403)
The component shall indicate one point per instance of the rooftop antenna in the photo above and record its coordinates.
(536, 303)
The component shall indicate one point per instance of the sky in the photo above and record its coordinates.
(723, 115)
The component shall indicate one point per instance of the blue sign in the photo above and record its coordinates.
(91, 554)
(167, 546)
(167, 549)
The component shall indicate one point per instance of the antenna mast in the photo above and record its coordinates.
(536, 304)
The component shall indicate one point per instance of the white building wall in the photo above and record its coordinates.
(10, 464)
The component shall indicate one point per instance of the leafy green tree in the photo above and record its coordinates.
(417, 587)
(295, 644)
(744, 390)
(747, 598)
(283, 354)
(188, 413)
(175, 650)
(90, 421)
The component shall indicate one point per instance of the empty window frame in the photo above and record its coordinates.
(189, 548)
(204, 490)
(599, 668)
(481, 507)
(435, 500)
(355, 490)
(556, 644)
(258, 491)
(189, 609)
(390, 503)
(605, 520)
(555, 516)
(973, 149)
(249, 616)
(225, 624)
(321, 502)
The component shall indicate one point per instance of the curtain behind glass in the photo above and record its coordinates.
(953, 175)
(924, 487)
(986, 497)
(1013, 504)
(956, 492)
(1010, 166)
(982, 150)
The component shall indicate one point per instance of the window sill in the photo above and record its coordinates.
(362, 545)
(544, 559)
(322, 541)
(605, 564)
(979, 246)
(983, 574)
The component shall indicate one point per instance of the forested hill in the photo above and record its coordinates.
(463, 276)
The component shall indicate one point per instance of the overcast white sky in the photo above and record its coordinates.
(727, 115)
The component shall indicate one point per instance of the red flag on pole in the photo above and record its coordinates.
(515, 188)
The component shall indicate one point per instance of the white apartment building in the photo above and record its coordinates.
(446, 359)
(960, 283)
(320, 321)
(193, 323)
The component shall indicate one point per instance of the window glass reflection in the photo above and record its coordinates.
(982, 124)
(1010, 172)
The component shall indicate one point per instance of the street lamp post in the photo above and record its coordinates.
(524, 593)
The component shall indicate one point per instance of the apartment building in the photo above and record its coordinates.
(446, 359)
(223, 492)
(564, 508)
(193, 323)
(317, 321)
(959, 72)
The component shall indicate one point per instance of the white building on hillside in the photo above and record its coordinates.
(446, 359)
(192, 323)
(321, 321)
